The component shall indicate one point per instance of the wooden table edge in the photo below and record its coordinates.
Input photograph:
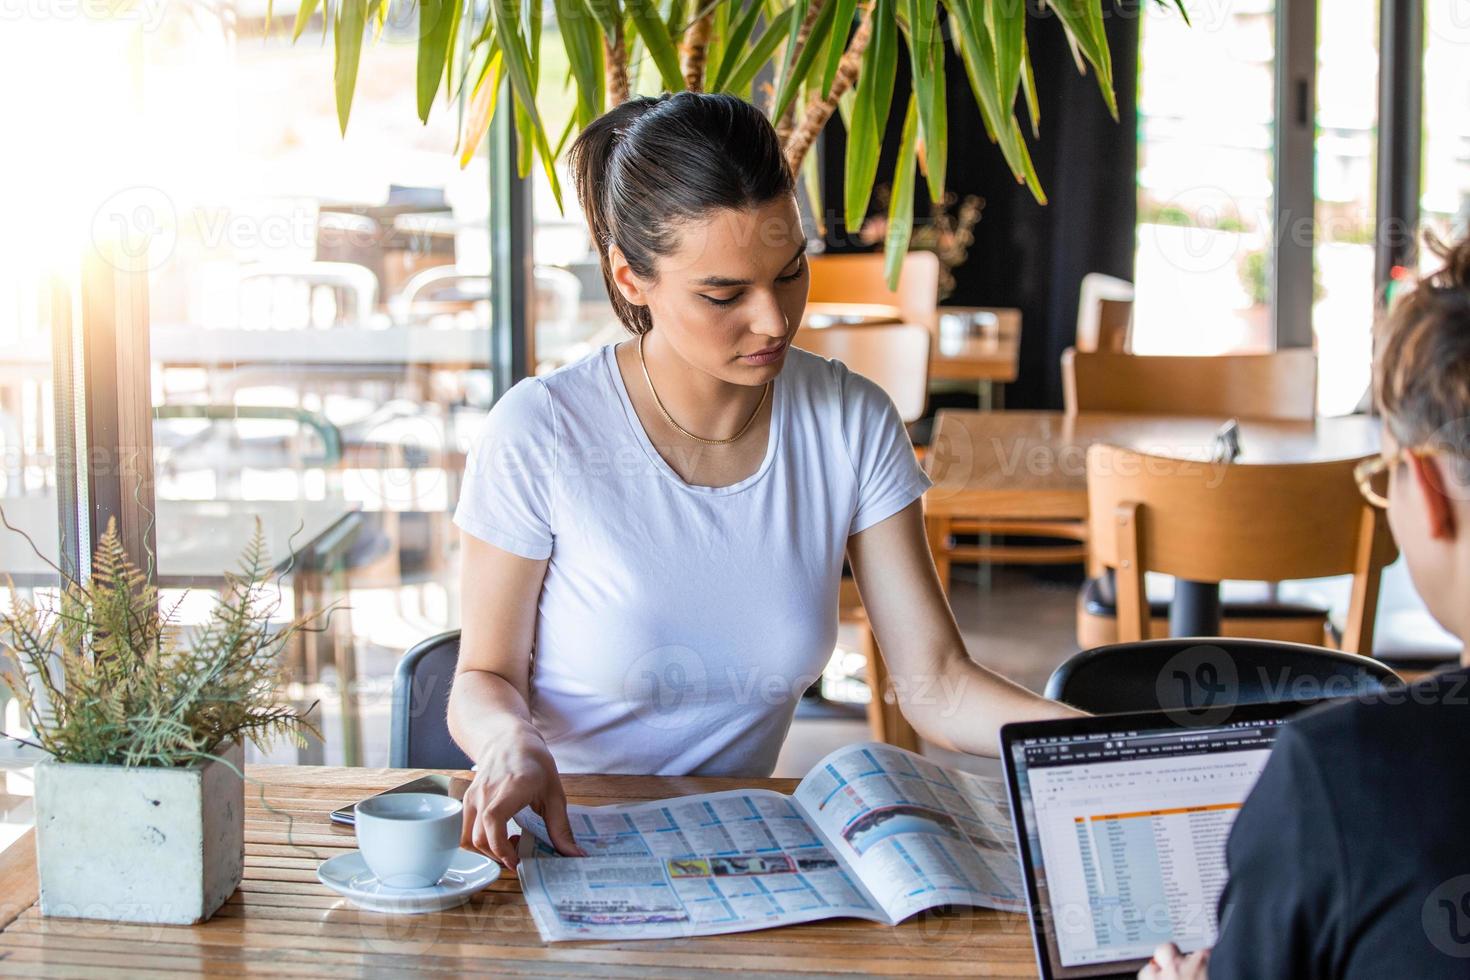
(19, 887)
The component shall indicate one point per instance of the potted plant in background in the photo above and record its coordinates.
(140, 812)
(823, 58)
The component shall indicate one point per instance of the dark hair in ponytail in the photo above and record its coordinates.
(651, 163)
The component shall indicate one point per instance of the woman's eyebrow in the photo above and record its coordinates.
(719, 282)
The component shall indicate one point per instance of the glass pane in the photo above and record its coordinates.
(573, 315)
(1347, 144)
(320, 339)
(1206, 108)
(46, 211)
(1445, 204)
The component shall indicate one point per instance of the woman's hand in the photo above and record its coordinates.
(1170, 964)
(516, 770)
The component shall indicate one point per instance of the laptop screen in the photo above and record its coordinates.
(1123, 830)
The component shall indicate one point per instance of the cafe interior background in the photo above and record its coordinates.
(328, 316)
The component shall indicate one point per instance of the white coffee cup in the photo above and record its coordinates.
(409, 839)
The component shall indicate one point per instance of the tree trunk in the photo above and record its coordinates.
(819, 110)
(615, 53)
(696, 47)
(787, 122)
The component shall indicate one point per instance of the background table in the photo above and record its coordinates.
(1032, 466)
(282, 921)
(990, 357)
(819, 315)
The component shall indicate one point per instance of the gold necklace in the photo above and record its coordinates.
(670, 419)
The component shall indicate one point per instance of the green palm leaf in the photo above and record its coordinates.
(660, 45)
(870, 114)
(804, 61)
(901, 200)
(519, 66)
(347, 40)
(759, 54)
(837, 42)
(436, 22)
(584, 52)
(1084, 25)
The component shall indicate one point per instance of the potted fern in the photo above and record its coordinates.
(140, 813)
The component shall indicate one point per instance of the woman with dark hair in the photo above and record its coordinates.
(655, 533)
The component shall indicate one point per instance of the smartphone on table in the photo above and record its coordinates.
(451, 786)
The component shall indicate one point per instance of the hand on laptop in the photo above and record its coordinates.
(1170, 964)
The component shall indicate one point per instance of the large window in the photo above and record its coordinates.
(573, 315)
(1343, 301)
(1445, 201)
(320, 337)
(318, 313)
(1205, 108)
(1210, 151)
(38, 281)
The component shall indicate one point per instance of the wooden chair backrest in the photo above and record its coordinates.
(1115, 326)
(859, 279)
(1280, 386)
(1104, 313)
(895, 356)
(1208, 522)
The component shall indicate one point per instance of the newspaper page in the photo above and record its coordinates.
(918, 834)
(698, 865)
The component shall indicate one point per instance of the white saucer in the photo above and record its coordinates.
(348, 875)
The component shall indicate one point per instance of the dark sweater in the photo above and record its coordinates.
(1351, 857)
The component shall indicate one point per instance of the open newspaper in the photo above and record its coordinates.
(873, 832)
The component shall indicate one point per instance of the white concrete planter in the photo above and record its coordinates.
(139, 843)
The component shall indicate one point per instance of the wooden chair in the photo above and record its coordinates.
(859, 279)
(1105, 314)
(1281, 386)
(896, 357)
(1211, 522)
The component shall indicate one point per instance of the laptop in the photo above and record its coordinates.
(1121, 821)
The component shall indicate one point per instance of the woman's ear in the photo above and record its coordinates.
(1432, 486)
(627, 281)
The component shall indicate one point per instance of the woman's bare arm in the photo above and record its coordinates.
(948, 698)
(489, 705)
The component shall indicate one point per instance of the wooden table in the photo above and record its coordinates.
(283, 922)
(1032, 466)
(819, 315)
(992, 357)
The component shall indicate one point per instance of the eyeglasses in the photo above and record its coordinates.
(1372, 475)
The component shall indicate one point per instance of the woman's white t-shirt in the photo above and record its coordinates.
(678, 625)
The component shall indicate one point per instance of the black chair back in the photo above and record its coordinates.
(420, 733)
(1193, 674)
